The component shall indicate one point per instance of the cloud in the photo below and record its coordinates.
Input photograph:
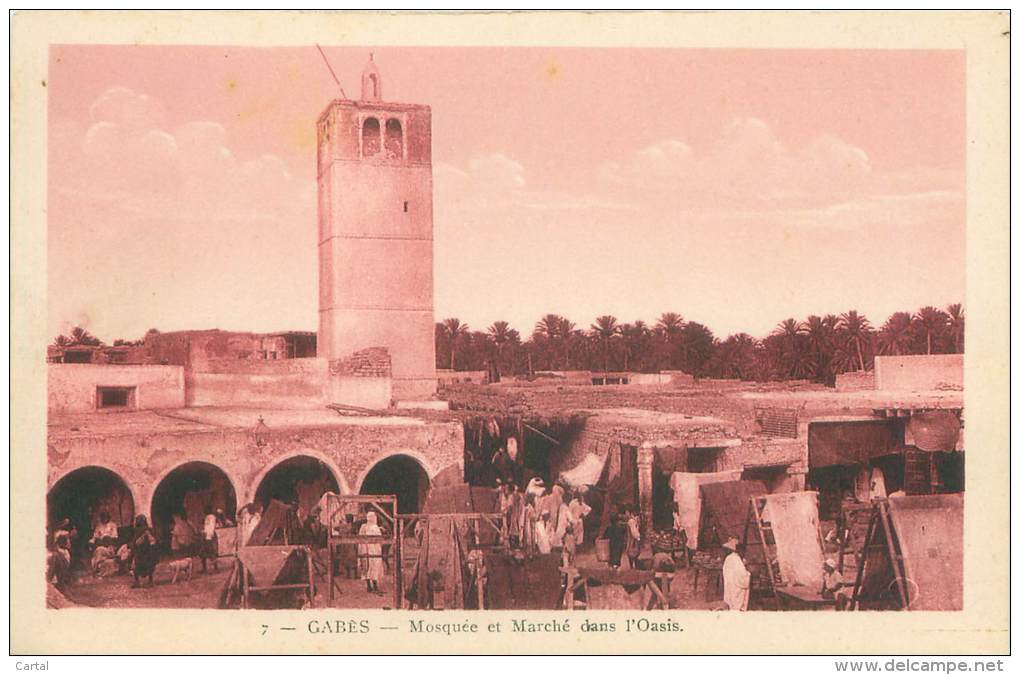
(170, 226)
(128, 157)
(748, 168)
(126, 109)
(496, 181)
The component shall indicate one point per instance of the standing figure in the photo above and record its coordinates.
(579, 510)
(252, 522)
(683, 554)
(736, 578)
(528, 522)
(553, 503)
(209, 549)
(616, 533)
(371, 554)
(633, 538)
(503, 466)
(182, 537)
(542, 527)
(515, 517)
(143, 552)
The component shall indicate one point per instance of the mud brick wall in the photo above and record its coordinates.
(855, 381)
(371, 362)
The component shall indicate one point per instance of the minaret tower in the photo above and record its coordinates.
(375, 234)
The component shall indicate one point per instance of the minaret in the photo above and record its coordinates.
(375, 234)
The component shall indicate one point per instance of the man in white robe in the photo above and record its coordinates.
(372, 562)
(736, 579)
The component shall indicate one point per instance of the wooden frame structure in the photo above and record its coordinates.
(493, 520)
(335, 505)
(245, 576)
(755, 511)
(881, 525)
(575, 579)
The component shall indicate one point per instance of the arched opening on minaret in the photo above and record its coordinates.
(373, 87)
(394, 139)
(370, 137)
(401, 476)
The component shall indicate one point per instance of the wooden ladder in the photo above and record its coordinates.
(766, 540)
(856, 519)
(880, 523)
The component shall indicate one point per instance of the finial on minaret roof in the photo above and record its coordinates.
(371, 81)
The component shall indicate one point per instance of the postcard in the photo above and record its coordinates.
(510, 333)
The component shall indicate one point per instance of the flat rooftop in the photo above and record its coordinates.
(199, 420)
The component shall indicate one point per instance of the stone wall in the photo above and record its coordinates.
(445, 376)
(288, 383)
(142, 460)
(919, 373)
(855, 381)
(72, 387)
(362, 380)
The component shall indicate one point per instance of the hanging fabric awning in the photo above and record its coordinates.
(586, 472)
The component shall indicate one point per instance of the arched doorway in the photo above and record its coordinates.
(300, 480)
(186, 491)
(402, 476)
(82, 495)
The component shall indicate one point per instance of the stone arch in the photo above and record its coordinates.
(408, 475)
(186, 489)
(394, 139)
(287, 471)
(371, 137)
(82, 493)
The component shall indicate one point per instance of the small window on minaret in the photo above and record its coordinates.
(370, 137)
(405, 207)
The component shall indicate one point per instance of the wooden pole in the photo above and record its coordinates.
(862, 560)
(244, 586)
(311, 575)
(894, 558)
(398, 559)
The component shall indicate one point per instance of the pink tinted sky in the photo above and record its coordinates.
(736, 187)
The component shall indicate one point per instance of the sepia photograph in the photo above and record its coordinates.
(355, 325)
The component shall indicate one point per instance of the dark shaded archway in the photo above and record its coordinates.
(300, 480)
(186, 491)
(82, 495)
(402, 476)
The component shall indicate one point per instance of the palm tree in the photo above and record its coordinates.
(856, 333)
(455, 332)
(956, 326)
(605, 329)
(80, 336)
(635, 337)
(551, 330)
(896, 334)
(61, 341)
(931, 323)
(699, 343)
(669, 330)
(820, 336)
(791, 355)
(501, 334)
(570, 339)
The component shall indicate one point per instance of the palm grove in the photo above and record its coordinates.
(818, 348)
